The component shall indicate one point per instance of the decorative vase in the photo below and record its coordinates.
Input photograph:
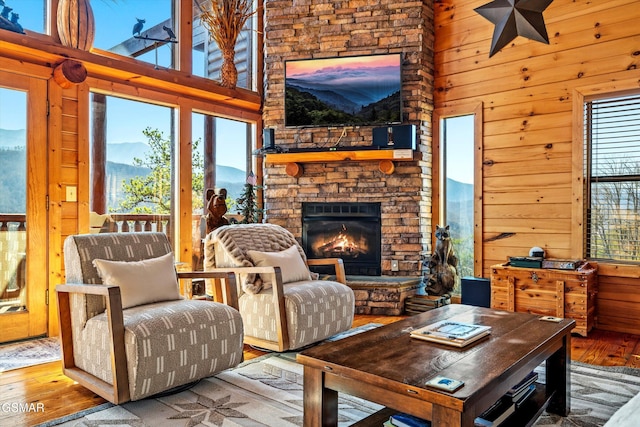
(228, 71)
(76, 26)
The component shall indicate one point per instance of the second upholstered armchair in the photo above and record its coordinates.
(282, 306)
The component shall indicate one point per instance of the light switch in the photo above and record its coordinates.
(72, 193)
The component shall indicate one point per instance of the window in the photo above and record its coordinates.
(457, 186)
(29, 14)
(222, 155)
(612, 174)
(137, 29)
(132, 164)
(13, 204)
(207, 58)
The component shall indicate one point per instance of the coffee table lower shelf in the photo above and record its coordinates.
(525, 416)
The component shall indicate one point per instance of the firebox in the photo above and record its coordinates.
(350, 231)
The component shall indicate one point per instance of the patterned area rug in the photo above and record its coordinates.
(28, 353)
(267, 391)
(597, 392)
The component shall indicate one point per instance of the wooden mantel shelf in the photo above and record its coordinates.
(384, 157)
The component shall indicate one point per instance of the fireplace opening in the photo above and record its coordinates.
(350, 231)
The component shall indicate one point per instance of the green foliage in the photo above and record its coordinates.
(247, 204)
(152, 193)
(304, 108)
(13, 180)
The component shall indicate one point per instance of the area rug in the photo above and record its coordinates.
(29, 353)
(267, 391)
(597, 392)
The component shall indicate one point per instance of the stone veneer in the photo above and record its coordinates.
(301, 29)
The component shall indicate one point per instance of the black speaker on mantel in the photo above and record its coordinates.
(381, 136)
(396, 136)
(268, 139)
(404, 136)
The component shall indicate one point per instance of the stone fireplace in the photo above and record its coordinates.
(350, 231)
(321, 28)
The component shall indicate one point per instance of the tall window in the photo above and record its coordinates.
(132, 163)
(457, 186)
(612, 171)
(13, 203)
(222, 151)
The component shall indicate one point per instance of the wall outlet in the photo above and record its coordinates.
(71, 193)
(394, 265)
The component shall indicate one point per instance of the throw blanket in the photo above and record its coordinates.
(233, 241)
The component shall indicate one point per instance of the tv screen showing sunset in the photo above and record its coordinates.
(362, 90)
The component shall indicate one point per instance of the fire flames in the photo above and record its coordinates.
(343, 244)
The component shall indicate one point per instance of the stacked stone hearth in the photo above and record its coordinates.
(318, 29)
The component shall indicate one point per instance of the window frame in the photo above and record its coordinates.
(437, 200)
(183, 109)
(581, 95)
(590, 178)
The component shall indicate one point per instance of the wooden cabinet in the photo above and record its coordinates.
(559, 293)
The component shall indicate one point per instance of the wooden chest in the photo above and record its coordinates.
(559, 293)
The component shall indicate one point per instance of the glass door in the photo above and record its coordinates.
(23, 216)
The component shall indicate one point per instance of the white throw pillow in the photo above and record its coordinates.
(290, 262)
(141, 282)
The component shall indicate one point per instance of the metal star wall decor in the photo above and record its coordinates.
(514, 18)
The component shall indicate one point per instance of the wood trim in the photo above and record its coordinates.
(229, 290)
(44, 51)
(477, 110)
(83, 99)
(37, 214)
(54, 191)
(628, 271)
(280, 311)
(182, 232)
(478, 191)
(337, 263)
(337, 156)
(580, 96)
(184, 16)
(118, 392)
(576, 246)
(115, 320)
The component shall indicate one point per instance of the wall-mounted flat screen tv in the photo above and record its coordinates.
(343, 91)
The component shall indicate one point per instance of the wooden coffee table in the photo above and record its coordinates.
(387, 366)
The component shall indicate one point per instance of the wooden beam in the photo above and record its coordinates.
(42, 50)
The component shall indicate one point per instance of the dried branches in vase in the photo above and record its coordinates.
(224, 20)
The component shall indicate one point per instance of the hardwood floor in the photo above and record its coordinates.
(53, 395)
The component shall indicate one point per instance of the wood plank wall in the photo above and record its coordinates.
(529, 147)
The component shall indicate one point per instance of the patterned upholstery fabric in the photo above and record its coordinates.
(315, 309)
(167, 344)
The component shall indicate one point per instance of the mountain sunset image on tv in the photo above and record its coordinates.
(341, 91)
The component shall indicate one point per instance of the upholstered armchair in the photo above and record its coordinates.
(282, 306)
(126, 332)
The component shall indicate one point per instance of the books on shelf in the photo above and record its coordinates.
(519, 389)
(450, 332)
(406, 420)
(496, 414)
(509, 403)
(527, 392)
